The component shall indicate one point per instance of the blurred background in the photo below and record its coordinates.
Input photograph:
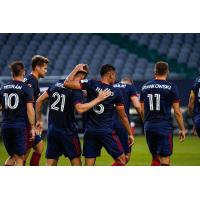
(131, 54)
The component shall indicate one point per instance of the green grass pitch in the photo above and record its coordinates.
(184, 154)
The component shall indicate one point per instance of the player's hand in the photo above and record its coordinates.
(82, 67)
(39, 127)
(32, 131)
(131, 140)
(182, 134)
(104, 94)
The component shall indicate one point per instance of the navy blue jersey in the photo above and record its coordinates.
(158, 96)
(32, 81)
(100, 116)
(13, 97)
(127, 91)
(61, 107)
(196, 90)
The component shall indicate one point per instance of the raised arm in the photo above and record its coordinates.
(70, 82)
(83, 107)
(191, 103)
(179, 118)
(124, 119)
(39, 104)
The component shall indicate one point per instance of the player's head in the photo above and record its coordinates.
(161, 69)
(80, 75)
(39, 65)
(127, 79)
(17, 69)
(108, 71)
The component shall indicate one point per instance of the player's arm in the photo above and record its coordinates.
(136, 104)
(83, 107)
(31, 118)
(191, 103)
(39, 104)
(70, 82)
(179, 118)
(0, 107)
(142, 110)
(124, 119)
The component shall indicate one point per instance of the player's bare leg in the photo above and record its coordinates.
(19, 160)
(120, 161)
(155, 160)
(165, 161)
(51, 162)
(35, 158)
(90, 161)
(128, 157)
(10, 161)
(76, 161)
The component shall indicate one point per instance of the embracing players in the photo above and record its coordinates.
(98, 131)
(16, 99)
(62, 137)
(157, 98)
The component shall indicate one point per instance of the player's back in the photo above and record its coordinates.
(61, 107)
(14, 97)
(127, 91)
(100, 116)
(196, 90)
(32, 81)
(158, 97)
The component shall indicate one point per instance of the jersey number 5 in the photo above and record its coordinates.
(151, 105)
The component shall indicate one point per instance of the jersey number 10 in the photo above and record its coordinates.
(8, 100)
(151, 105)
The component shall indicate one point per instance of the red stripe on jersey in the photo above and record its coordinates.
(177, 101)
(120, 104)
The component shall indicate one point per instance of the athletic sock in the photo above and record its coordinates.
(35, 159)
(117, 164)
(165, 164)
(24, 163)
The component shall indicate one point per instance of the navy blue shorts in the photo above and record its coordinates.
(15, 140)
(95, 140)
(61, 143)
(123, 137)
(159, 139)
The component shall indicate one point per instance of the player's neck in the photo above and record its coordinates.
(162, 78)
(19, 78)
(105, 81)
(35, 74)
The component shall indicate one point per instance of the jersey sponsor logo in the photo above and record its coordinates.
(159, 86)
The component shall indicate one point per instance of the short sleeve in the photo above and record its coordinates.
(48, 91)
(119, 99)
(29, 95)
(77, 97)
(133, 91)
(85, 84)
(175, 94)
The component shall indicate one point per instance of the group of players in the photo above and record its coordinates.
(107, 115)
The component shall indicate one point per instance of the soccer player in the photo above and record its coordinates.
(16, 99)
(130, 95)
(157, 98)
(98, 132)
(194, 105)
(62, 135)
(39, 70)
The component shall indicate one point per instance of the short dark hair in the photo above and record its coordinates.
(38, 60)
(17, 68)
(106, 68)
(161, 68)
